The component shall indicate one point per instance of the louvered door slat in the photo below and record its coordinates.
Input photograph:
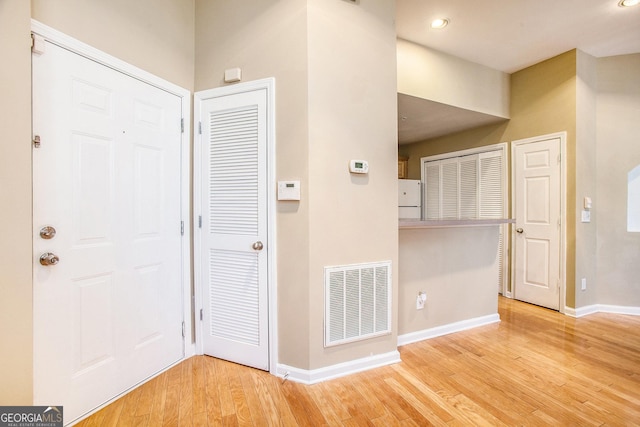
(234, 171)
(449, 186)
(468, 187)
(491, 188)
(432, 190)
(234, 298)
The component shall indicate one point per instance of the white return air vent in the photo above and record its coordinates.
(357, 302)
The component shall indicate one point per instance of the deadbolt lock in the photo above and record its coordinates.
(47, 232)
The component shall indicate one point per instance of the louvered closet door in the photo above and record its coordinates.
(234, 228)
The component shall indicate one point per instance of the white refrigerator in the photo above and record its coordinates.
(409, 199)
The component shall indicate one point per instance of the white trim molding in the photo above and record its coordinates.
(339, 370)
(450, 328)
(601, 308)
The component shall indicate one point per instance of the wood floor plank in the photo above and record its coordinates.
(243, 414)
(301, 404)
(227, 406)
(416, 402)
(185, 408)
(112, 413)
(159, 399)
(254, 405)
(267, 402)
(536, 367)
(212, 393)
(172, 406)
(145, 401)
(198, 381)
(275, 387)
(332, 409)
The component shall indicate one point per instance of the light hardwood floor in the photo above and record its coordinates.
(535, 367)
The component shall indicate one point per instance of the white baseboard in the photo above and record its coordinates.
(335, 371)
(447, 329)
(601, 308)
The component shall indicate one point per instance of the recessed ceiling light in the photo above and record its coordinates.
(439, 23)
(628, 3)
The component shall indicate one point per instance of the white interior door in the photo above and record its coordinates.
(537, 209)
(107, 177)
(233, 233)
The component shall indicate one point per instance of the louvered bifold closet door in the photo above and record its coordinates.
(234, 224)
(432, 190)
(491, 190)
(468, 187)
(449, 188)
(492, 203)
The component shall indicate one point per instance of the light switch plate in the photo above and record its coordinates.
(586, 216)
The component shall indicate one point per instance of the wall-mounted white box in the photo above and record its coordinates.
(288, 190)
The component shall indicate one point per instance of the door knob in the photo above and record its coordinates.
(48, 258)
(519, 230)
(257, 246)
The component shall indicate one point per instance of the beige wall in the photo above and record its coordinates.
(456, 267)
(352, 115)
(585, 167)
(16, 327)
(334, 65)
(618, 152)
(154, 35)
(269, 39)
(437, 76)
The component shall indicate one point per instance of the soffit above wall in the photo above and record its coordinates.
(421, 119)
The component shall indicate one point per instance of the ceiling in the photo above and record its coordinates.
(506, 35)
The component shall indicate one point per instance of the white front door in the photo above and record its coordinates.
(106, 177)
(232, 206)
(537, 208)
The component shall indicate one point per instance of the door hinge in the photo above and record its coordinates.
(200, 221)
(182, 228)
(200, 128)
(559, 158)
(182, 125)
(36, 141)
(37, 44)
(183, 330)
(201, 314)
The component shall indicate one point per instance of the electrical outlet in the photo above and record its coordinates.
(420, 300)
(584, 284)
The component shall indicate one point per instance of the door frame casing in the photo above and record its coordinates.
(67, 42)
(199, 97)
(562, 136)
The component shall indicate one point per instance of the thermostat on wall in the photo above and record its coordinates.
(359, 166)
(288, 190)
